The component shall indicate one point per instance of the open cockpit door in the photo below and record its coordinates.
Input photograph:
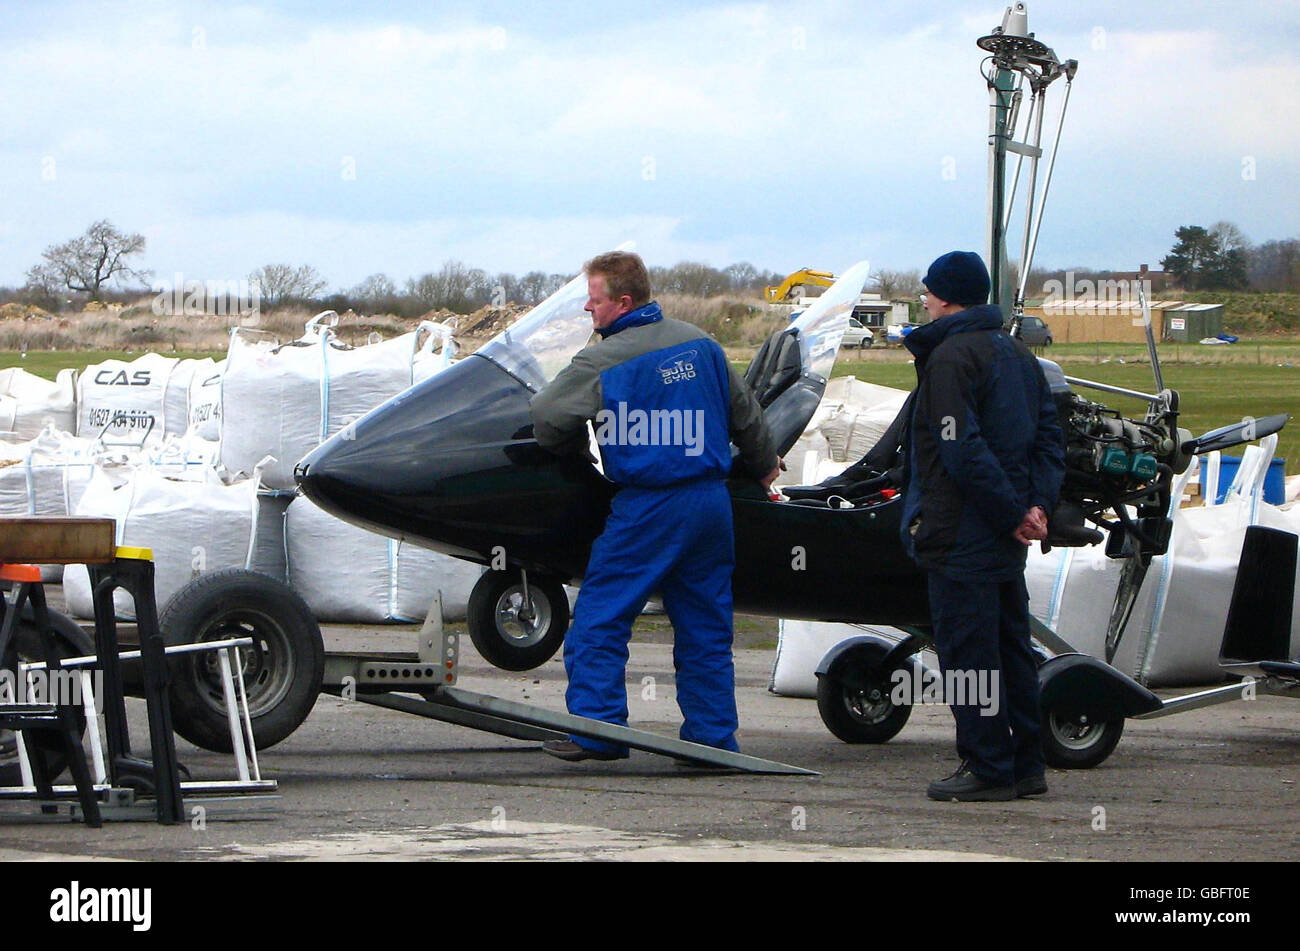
(788, 374)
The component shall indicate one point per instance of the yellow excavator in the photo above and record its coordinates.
(786, 289)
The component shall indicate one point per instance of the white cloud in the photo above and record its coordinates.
(774, 128)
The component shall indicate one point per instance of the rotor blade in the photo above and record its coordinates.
(1130, 583)
(1225, 437)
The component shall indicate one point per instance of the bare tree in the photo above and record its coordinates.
(89, 262)
(890, 284)
(1275, 266)
(742, 277)
(376, 293)
(279, 283)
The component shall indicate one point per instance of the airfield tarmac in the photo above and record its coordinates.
(359, 782)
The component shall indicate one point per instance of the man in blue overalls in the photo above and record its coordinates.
(666, 405)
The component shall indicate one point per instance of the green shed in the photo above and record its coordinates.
(1193, 322)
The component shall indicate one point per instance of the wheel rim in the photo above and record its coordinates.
(517, 629)
(871, 705)
(267, 667)
(1076, 733)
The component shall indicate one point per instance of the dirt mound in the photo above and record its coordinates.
(488, 321)
(16, 311)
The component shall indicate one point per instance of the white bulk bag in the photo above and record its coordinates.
(192, 527)
(283, 401)
(348, 574)
(801, 645)
(45, 475)
(29, 403)
(188, 458)
(435, 352)
(205, 399)
(176, 401)
(126, 403)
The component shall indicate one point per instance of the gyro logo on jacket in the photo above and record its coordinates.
(657, 427)
(678, 367)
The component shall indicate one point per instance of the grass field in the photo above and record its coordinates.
(1211, 395)
(48, 363)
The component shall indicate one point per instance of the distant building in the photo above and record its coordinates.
(1111, 321)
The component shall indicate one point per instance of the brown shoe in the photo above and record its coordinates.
(573, 753)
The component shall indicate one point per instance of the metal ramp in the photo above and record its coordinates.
(438, 660)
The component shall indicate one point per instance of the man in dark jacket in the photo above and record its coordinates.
(666, 405)
(984, 467)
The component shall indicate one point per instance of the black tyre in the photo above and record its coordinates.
(853, 697)
(507, 634)
(282, 670)
(1078, 742)
(70, 641)
(866, 343)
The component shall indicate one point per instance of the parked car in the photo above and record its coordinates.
(857, 335)
(1035, 332)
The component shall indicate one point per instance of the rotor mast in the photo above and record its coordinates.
(1017, 60)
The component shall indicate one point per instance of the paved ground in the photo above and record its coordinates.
(356, 781)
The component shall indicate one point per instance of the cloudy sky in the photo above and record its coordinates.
(516, 136)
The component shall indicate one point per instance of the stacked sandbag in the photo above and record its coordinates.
(187, 458)
(284, 400)
(133, 402)
(46, 476)
(191, 527)
(30, 404)
(347, 574)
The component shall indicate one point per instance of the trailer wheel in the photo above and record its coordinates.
(282, 670)
(853, 698)
(503, 632)
(1078, 742)
(70, 641)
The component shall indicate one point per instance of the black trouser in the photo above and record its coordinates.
(981, 634)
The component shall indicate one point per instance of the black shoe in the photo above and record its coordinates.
(573, 753)
(1031, 786)
(965, 786)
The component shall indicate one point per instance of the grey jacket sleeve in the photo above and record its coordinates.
(749, 429)
(560, 412)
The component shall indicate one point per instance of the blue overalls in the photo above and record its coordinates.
(669, 530)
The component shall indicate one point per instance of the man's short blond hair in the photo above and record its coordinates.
(624, 273)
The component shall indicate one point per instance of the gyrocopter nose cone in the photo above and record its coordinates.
(428, 457)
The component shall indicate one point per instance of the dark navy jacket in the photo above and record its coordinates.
(984, 447)
(664, 401)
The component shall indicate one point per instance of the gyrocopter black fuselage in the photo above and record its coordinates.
(451, 464)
